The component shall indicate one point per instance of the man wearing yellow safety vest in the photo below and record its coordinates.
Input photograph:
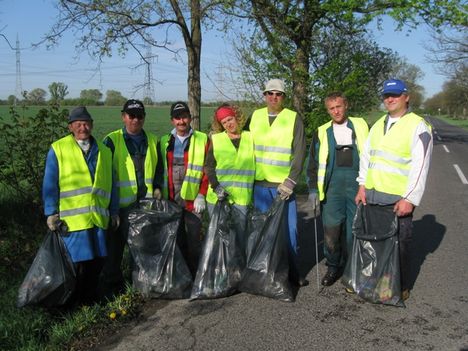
(181, 177)
(135, 160)
(280, 149)
(394, 166)
(230, 161)
(332, 172)
(78, 192)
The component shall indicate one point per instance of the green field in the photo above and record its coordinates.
(107, 119)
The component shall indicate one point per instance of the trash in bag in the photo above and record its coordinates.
(373, 268)
(160, 269)
(51, 279)
(223, 254)
(267, 269)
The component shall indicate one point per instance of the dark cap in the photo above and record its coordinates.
(179, 108)
(134, 107)
(79, 114)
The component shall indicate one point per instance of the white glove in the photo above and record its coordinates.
(157, 194)
(199, 204)
(314, 203)
(286, 188)
(115, 221)
(53, 222)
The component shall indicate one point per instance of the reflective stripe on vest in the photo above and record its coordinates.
(390, 155)
(83, 204)
(125, 168)
(235, 169)
(361, 131)
(194, 170)
(273, 144)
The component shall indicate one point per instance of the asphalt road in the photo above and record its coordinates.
(435, 317)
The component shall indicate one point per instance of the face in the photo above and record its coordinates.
(395, 104)
(230, 124)
(133, 123)
(181, 123)
(336, 108)
(274, 100)
(81, 130)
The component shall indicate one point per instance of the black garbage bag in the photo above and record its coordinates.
(373, 268)
(51, 279)
(223, 254)
(267, 269)
(160, 270)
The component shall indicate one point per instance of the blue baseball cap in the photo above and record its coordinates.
(79, 114)
(394, 86)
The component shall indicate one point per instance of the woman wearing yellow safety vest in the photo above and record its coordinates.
(230, 161)
(79, 191)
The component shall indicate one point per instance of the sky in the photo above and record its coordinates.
(29, 20)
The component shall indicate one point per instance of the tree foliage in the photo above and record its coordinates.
(36, 96)
(91, 96)
(290, 26)
(58, 91)
(114, 98)
(24, 145)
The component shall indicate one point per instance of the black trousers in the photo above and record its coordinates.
(405, 236)
(189, 240)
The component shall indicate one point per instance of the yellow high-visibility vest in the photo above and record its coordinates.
(194, 171)
(83, 203)
(360, 129)
(390, 155)
(235, 169)
(125, 168)
(273, 144)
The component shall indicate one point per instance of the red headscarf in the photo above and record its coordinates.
(224, 112)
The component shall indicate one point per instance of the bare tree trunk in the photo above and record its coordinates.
(300, 74)
(194, 58)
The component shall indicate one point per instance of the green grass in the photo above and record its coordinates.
(107, 118)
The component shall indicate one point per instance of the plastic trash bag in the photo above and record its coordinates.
(373, 268)
(223, 254)
(160, 270)
(267, 269)
(51, 279)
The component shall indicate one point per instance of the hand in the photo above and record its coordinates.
(314, 203)
(221, 193)
(157, 194)
(361, 195)
(199, 204)
(403, 208)
(285, 189)
(115, 221)
(53, 222)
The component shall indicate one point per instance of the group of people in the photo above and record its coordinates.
(91, 186)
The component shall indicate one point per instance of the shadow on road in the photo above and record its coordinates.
(427, 236)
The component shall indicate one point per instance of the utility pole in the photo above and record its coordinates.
(19, 86)
(148, 84)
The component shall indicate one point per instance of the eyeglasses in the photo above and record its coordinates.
(393, 95)
(139, 117)
(178, 118)
(271, 93)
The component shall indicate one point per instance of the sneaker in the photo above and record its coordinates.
(405, 294)
(330, 277)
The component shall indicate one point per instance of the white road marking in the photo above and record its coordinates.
(446, 149)
(460, 174)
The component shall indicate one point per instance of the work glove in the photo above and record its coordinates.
(115, 221)
(53, 222)
(199, 204)
(157, 194)
(314, 203)
(285, 189)
(221, 193)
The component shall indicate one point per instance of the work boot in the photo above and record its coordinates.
(330, 277)
(405, 294)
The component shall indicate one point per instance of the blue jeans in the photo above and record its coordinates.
(263, 198)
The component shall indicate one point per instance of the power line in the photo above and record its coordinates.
(19, 85)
